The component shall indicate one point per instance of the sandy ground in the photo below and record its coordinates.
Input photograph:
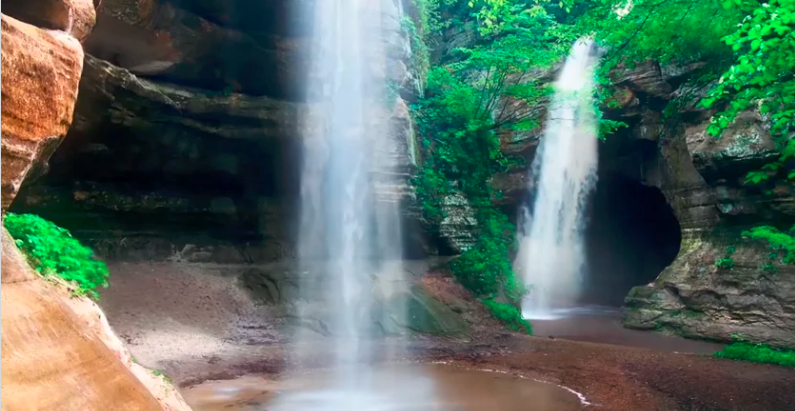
(195, 324)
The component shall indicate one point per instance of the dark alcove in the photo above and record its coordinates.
(632, 235)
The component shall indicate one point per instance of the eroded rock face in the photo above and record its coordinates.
(41, 70)
(702, 178)
(199, 45)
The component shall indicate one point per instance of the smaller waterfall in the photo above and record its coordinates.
(551, 255)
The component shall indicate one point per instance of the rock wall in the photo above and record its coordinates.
(189, 130)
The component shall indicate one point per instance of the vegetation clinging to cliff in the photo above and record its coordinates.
(778, 241)
(52, 250)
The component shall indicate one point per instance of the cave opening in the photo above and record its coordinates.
(632, 235)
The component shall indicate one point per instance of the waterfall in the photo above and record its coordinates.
(551, 254)
(349, 236)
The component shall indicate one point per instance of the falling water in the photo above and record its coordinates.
(551, 253)
(349, 238)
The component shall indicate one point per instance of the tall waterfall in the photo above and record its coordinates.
(349, 237)
(551, 255)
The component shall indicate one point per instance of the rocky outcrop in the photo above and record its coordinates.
(702, 179)
(41, 71)
(42, 322)
(201, 46)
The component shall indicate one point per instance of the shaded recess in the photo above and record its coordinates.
(632, 236)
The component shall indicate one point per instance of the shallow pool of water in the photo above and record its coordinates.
(399, 388)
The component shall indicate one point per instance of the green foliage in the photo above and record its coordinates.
(762, 73)
(776, 239)
(461, 152)
(759, 353)
(726, 263)
(509, 315)
(52, 250)
(777, 168)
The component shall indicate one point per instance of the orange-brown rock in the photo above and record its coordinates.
(58, 353)
(41, 71)
(76, 17)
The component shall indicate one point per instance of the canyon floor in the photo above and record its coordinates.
(611, 377)
(198, 328)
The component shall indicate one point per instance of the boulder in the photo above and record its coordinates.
(41, 71)
(76, 17)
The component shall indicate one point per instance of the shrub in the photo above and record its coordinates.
(52, 250)
(509, 315)
(760, 353)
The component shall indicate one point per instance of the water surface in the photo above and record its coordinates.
(458, 389)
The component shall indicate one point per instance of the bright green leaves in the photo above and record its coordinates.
(509, 315)
(760, 353)
(777, 240)
(777, 168)
(756, 177)
(763, 74)
(52, 250)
